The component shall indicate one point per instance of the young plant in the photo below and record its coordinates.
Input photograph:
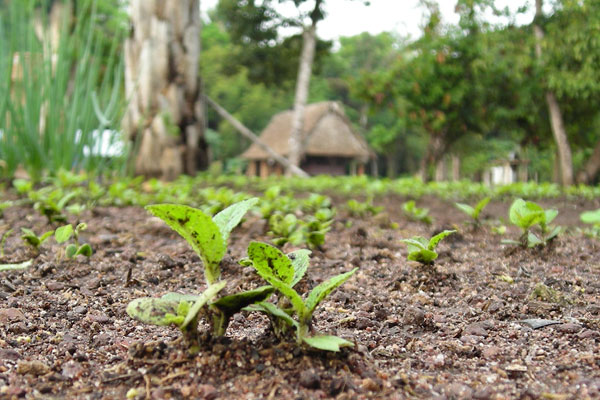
(474, 212)
(592, 218)
(423, 250)
(65, 233)
(362, 209)
(283, 273)
(4, 205)
(526, 215)
(317, 226)
(35, 241)
(208, 237)
(286, 229)
(415, 213)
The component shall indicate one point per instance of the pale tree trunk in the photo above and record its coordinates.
(434, 152)
(302, 85)
(591, 168)
(556, 119)
(165, 111)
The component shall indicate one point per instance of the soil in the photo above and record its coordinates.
(451, 331)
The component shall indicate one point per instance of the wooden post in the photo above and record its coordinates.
(255, 139)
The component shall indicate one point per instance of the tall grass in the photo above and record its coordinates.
(53, 100)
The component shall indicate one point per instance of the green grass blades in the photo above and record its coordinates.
(207, 236)
(423, 250)
(280, 271)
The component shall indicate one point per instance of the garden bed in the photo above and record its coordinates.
(459, 329)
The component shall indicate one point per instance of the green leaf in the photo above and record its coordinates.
(554, 233)
(590, 217)
(327, 342)
(433, 242)
(272, 309)
(199, 230)
(84, 250)
(81, 227)
(205, 297)
(178, 297)
(467, 209)
(525, 214)
(232, 304)
(269, 260)
(533, 240)
(416, 243)
(12, 267)
(276, 268)
(480, 206)
(230, 217)
(423, 256)
(30, 237)
(321, 291)
(63, 233)
(71, 250)
(300, 260)
(550, 215)
(152, 310)
(45, 236)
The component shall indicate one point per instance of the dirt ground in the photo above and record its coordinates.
(460, 329)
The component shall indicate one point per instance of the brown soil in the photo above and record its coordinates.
(448, 331)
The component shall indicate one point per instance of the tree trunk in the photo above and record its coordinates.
(434, 152)
(165, 111)
(556, 119)
(302, 85)
(591, 168)
(244, 131)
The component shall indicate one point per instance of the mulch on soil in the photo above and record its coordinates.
(452, 331)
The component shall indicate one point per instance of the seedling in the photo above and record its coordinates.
(4, 205)
(415, 213)
(286, 229)
(5, 236)
(474, 212)
(23, 186)
(208, 237)
(35, 241)
(423, 250)
(283, 273)
(526, 215)
(65, 233)
(362, 209)
(52, 204)
(317, 226)
(591, 218)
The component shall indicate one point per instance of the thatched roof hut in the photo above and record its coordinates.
(331, 145)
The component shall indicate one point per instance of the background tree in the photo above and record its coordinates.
(165, 113)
